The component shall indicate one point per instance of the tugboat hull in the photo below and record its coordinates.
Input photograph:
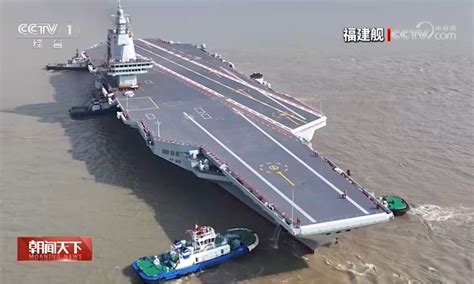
(241, 242)
(191, 269)
(397, 205)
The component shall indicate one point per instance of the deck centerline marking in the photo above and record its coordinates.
(240, 81)
(250, 168)
(304, 164)
(216, 82)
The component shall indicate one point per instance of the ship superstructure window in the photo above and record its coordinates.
(172, 153)
(166, 151)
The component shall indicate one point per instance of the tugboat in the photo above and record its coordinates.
(94, 107)
(204, 250)
(78, 62)
(396, 204)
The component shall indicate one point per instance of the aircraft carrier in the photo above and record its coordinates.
(193, 109)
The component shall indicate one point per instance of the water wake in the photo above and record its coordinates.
(360, 268)
(433, 213)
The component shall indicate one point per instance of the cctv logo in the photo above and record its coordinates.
(37, 29)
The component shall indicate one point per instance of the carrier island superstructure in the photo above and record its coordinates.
(193, 109)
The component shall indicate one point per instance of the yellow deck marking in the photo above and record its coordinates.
(291, 117)
(277, 168)
(294, 121)
(285, 178)
(273, 168)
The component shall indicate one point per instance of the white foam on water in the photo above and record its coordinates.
(359, 269)
(363, 269)
(433, 213)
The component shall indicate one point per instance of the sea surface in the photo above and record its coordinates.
(400, 116)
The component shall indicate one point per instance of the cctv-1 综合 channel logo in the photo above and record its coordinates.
(54, 249)
(46, 30)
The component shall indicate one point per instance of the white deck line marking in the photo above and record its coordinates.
(214, 81)
(153, 102)
(303, 163)
(242, 82)
(221, 96)
(229, 73)
(141, 109)
(138, 98)
(250, 168)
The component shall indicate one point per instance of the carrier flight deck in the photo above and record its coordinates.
(195, 110)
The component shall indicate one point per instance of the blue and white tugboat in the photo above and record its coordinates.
(204, 250)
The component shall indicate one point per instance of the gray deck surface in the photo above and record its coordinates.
(264, 154)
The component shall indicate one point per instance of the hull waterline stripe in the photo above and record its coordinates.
(250, 168)
(303, 163)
